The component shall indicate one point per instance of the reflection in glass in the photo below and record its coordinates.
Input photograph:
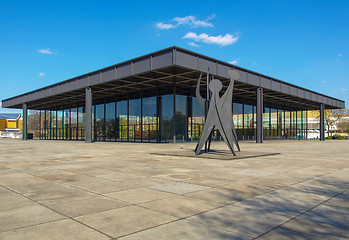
(121, 121)
(167, 117)
(66, 124)
(273, 123)
(198, 119)
(74, 123)
(110, 121)
(248, 122)
(81, 123)
(181, 117)
(99, 123)
(238, 119)
(135, 119)
(149, 119)
(266, 129)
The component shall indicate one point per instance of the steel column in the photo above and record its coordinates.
(88, 115)
(259, 124)
(25, 121)
(322, 122)
(174, 113)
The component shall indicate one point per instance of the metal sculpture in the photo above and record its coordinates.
(218, 112)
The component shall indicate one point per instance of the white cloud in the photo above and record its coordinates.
(235, 61)
(225, 40)
(41, 74)
(212, 16)
(324, 81)
(340, 55)
(191, 21)
(344, 89)
(46, 51)
(194, 44)
(188, 20)
(161, 25)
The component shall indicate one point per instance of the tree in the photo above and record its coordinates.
(333, 116)
(343, 125)
(33, 122)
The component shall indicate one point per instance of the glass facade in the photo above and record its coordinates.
(164, 118)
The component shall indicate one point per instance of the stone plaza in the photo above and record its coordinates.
(71, 190)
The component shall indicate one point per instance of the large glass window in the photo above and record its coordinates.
(281, 123)
(81, 123)
(67, 124)
(121, 121)
(167, 117)
(74, 123)
(135, 119)
(149, 120)
(181, 117)
(99, 123)
(238, 118)
(110, 121)
(198, 119)
(60, 124)
(273, 123)
(266, 121)
(248, 122)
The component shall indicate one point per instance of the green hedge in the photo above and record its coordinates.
(336, 137)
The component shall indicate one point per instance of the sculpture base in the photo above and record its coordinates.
(218, 154)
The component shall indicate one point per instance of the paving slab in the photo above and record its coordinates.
(326, 214)
(286, 234)
(73, 207)
(180, 206)
(126, 220)
(286, 202)
(139, 195)
(223, 196)
(341, 200)
(184, 230)
(28, 215)
(10, 201)
(242, 221)
(61, 192)
(62, 229)
(317, 229)
(179, 187)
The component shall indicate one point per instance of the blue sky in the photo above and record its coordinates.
(301, 42)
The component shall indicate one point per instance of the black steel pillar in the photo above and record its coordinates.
(259, 124)
(174, 113)
(88, 115)
(158, 119)
(322, 122)
(25, 122)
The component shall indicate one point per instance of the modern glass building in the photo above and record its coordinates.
(152, 99)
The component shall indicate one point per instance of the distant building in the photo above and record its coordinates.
(11, 125)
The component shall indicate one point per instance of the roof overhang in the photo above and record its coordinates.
(156, 73)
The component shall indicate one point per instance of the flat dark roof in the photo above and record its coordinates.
(156, 73)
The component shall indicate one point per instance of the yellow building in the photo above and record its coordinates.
(11, 122)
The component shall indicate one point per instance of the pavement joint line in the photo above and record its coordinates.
(145, 229)
(72, 186)
(301, 214)
(67, 217)
(250, 198)
(218, 187)
(307, 234)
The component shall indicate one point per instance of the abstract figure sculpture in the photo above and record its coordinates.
(219, 112)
